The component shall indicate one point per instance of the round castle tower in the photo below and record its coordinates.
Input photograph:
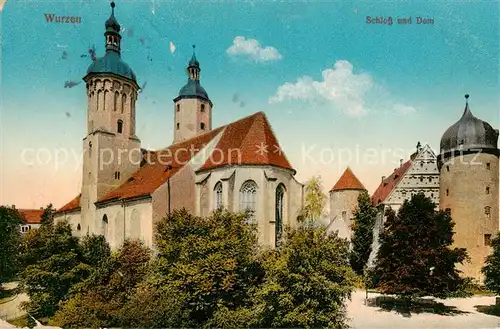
(344, 197)
(468, 165)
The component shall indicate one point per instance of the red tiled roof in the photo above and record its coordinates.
(72, 205)
(385, 188)
(154, 173)
(31, 216)
(238, 145)
(249, 141)
(348, 181)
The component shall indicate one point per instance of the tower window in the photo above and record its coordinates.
(202, 126)
(78, 227)
(487, 239)
(487, 211)
(120, 126)
(488, 165)
(447, 192)
(202, 107)
(421, 179)
(117, 175)
(447, 168)
(487, 190)
(178, 107)
(177, 126)
(430, 179)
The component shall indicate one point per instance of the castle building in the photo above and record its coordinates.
(468, 165)
(419, 174)
(126, 189)
(343, 202)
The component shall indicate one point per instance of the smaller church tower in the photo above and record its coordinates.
(344, 197)
(193, 107)
(468, 187)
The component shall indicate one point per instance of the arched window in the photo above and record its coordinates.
(78, 227)
(177, 126)
(106, 99)
(202, 126)
(248, 196)
(104, 226)
(124, 101)
(99, 95)
(280, 193)
(117, 98)
(218, 195)
(120, 126)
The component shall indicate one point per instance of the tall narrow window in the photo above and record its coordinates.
(202, 107)
(120, 126)
(280, 193)
(98, 98)
(202, 126)
(117, 98)
(447, 168)
(430, 179)
(124, 102)
(488, 165)
(218, 195)
(344, 215)
(178, 107)
(104, 226)
(447, 192)
(177, 126)
(248, 195)
(487, 239)
(106, 99)
(487, 190)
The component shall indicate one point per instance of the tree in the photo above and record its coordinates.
(314, 200)
(10, 241)
(307, 281)
(415, 256)
(47, 217)
(202, 265)
(54, 263)
(362, 236)
(491, 270)
(98, 301)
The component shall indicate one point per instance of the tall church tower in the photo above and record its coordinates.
(111, 150)
(193, 107)
(468, 165)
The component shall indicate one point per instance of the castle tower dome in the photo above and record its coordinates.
(468, 186)
(192, 107)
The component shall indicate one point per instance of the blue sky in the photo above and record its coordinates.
(329, 82)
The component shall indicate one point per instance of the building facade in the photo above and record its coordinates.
(419, 174)
(126, 190)
(469, 174)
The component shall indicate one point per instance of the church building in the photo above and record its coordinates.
(127, 189)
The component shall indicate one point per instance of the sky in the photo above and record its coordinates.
(338, 88)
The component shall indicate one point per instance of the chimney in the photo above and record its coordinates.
(383, 177)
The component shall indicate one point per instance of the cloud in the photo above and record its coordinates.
(253, 49)
(342, 88)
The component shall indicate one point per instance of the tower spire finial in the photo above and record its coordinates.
(112, 7)
(467, 98)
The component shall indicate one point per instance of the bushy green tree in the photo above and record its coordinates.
(47, 217)
(54, 263)
(362, 236)
(415, 256)
(202, 265)
(10, 241)
(99, 300)
(314, 200)
(491, 270)
(307, 282)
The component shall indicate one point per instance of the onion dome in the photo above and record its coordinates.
(111, 62)
(469, 133)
